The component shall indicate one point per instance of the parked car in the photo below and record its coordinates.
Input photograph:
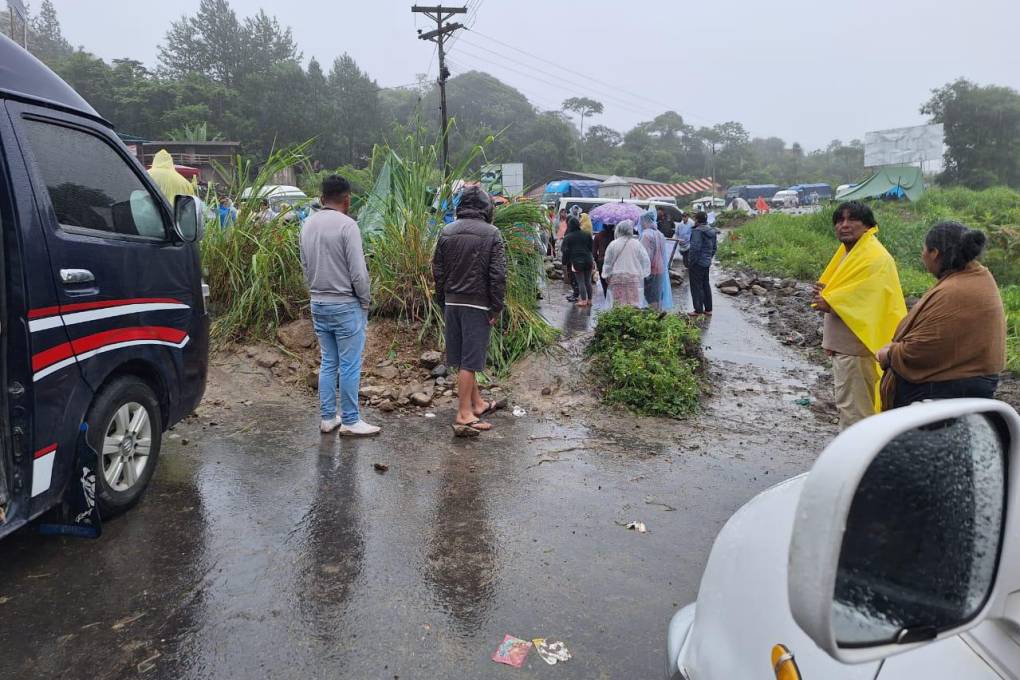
(812, 194)
(707, 203)
(281, 197)
(896, 557)
(104, 319)
(787, 198)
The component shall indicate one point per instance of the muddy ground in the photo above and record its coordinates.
(264, 550)
(782, 306)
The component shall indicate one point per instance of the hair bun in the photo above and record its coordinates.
(975, 237)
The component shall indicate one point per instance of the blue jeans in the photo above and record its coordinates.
(341, 332)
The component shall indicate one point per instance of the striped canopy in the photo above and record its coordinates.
(697, 186)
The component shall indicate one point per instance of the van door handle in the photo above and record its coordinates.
(76, 276)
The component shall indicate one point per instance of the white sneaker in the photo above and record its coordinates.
(359, 429)
(327, 426)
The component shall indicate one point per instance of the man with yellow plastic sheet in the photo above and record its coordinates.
(860, 294)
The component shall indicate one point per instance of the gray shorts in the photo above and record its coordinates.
(467, 337)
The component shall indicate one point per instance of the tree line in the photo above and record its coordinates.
(244, 78)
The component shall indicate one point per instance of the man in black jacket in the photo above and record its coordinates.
(469, 267)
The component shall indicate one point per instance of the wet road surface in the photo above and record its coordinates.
(263, 550)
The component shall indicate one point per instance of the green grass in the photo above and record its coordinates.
(1011, 300)
(401, 232)
(648, 362)
(800, 246)
(253, 268)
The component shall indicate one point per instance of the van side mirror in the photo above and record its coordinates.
(188, 222)
(900, 536)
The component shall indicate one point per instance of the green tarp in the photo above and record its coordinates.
(893, 181)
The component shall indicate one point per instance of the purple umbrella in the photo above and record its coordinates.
(616, 212)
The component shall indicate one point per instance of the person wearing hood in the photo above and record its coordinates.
(577, 251)
(586, 225)
(704, 241)
(166, 177)
(469, 268)
(657, 287)
(626, 266)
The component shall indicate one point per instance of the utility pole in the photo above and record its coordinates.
(440, 15)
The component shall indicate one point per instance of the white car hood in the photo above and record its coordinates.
(743, 608)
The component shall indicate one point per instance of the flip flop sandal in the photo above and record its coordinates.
(493, 406)
(468, 429)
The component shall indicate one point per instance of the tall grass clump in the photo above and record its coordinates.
(401, 221)
(253, 267)
(1011, 301)
(800, 246)
(649, 362)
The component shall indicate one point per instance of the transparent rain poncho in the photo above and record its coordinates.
(626, 266)
(659, 290)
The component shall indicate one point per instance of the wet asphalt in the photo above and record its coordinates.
(264, 550)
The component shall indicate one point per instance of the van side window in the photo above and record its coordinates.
(90, 185)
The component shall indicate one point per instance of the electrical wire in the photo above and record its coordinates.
(538, 103)
(562, 85)
(583, 75)
(584, 87)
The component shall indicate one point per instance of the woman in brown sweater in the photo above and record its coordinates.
(953, 342)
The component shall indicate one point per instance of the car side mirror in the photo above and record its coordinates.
(188, 223)
(901, 531)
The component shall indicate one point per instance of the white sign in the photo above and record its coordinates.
(503, 179)
(904, 146)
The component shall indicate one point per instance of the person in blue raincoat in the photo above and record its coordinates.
(658, 291)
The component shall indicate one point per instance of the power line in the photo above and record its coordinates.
(583, 75)
(541, 103)
(561, 85)
(585, 87)
(469, 23)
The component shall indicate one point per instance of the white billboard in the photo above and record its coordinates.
(503, 179)
(904, 146)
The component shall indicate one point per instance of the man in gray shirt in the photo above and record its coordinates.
(337, 277)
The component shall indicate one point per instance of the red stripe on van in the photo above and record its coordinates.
(46, 451)
(83, 306)
(98, 340)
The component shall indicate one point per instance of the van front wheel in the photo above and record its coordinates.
(125, 429)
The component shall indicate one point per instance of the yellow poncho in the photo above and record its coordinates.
(169, 181)
(585, 223)
(864, 291)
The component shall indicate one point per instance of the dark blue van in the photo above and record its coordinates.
(104, 320)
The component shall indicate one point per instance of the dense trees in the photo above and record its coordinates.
(982, 126)
(244, 78)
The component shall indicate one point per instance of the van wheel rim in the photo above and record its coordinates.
(126, 446)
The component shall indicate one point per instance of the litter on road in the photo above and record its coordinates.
(638, 527)
(380, 467)
(512, 651)
(519, 412)
(551, 651)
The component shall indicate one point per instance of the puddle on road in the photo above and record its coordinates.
(727, 336)
(263, 549)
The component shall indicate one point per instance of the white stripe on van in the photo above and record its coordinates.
(96, 314)
(107, 348)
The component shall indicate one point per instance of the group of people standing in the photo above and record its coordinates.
(952, 343)
(632, 261)
(469, 269)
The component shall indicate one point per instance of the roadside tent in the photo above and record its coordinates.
(893, 181)
(614, 187)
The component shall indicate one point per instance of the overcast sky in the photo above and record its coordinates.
(804, 70)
